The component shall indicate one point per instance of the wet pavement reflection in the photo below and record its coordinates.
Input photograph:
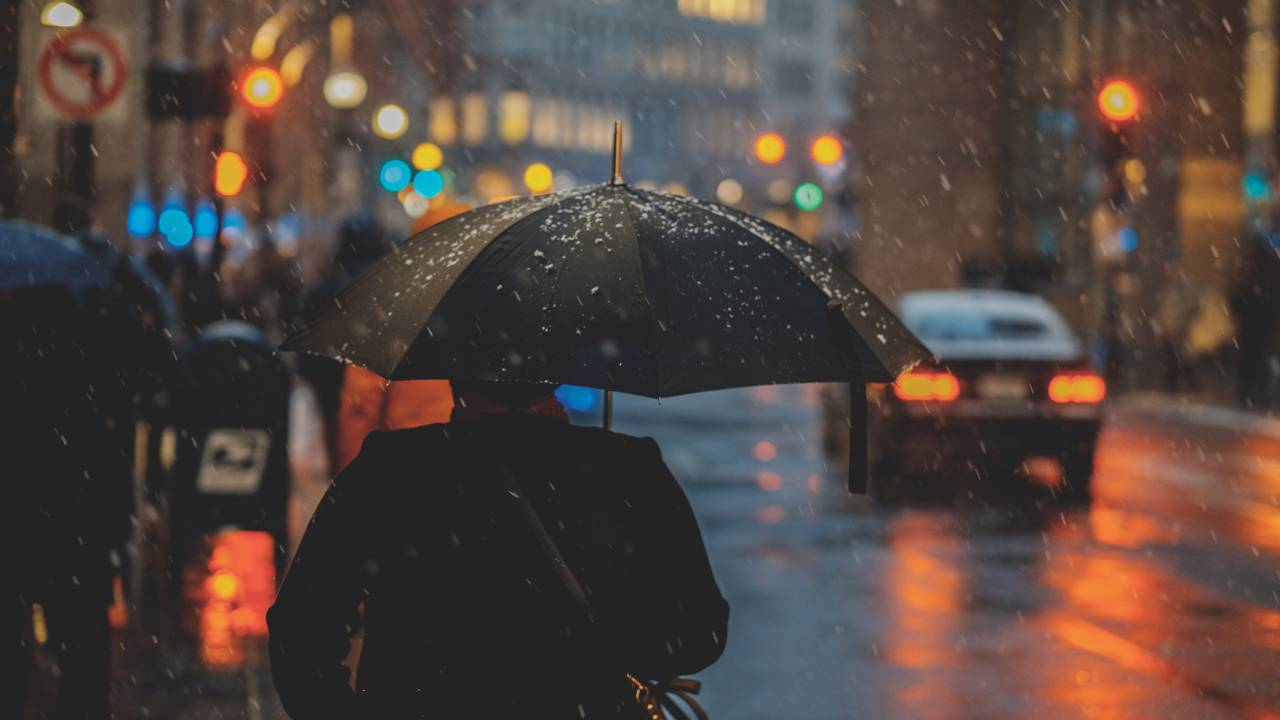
(1161, 599)
(1158, 600)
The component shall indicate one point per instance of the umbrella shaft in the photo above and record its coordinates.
(608, 409)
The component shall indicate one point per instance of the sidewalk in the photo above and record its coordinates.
(1190, 413)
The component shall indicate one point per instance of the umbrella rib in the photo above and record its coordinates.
(644, 279)
(729, 217)
(462, 273)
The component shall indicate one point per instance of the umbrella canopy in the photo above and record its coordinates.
(616, 288)
(32, 256)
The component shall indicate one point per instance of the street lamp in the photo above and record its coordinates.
(61, 15)
(390, 121)
(345, 89)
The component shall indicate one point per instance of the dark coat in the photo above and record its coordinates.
(464, 613)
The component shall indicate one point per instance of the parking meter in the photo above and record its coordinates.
(230, 411)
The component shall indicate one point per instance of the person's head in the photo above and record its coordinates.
(512, 394)
(361, 240)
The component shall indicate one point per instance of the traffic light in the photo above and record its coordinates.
(229, 173)
(262, 88)
(770, 148)
(1118, 101)
(1119, 105)
(807, 196)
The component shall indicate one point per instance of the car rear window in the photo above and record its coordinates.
(979, 327)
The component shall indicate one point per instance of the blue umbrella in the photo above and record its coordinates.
(32, 256)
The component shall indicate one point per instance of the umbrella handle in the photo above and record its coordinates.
(608, 409)
(859, 444)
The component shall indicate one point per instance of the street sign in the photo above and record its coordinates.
(233, 462)
(81, 72)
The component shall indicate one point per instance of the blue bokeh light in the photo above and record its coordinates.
(206, 220)
(428, 183)
(141, 219)
(395, 175)
(577, 399)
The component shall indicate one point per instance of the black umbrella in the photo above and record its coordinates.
(617, 288)
(32, 256)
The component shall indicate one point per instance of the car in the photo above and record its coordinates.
(1009, 406)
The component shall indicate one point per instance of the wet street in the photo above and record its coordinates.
(1160, 600)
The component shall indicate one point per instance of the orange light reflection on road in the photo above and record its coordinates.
(238, 586)
(769, 481)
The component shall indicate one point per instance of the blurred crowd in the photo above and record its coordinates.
(148, 413)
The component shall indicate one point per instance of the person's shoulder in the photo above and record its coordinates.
(611, 439)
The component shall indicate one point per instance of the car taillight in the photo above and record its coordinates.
(923, 386)
(1077, 388)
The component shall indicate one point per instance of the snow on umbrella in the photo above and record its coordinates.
(616, 288)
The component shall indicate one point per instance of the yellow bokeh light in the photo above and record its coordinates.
(427, 156)
(770, 148)
(827, 149)
(538, 177)
(224, 585)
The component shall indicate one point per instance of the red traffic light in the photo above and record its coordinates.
(1118, 101)
(262, 88)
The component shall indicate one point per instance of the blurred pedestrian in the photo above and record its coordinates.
(353, 401)
(1255, 301)
(473, 548)
(70, 501)
(1178, 304)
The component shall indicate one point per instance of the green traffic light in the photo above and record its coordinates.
(807, 196)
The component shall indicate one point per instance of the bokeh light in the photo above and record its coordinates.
(538, 177)
(770, 148)
(427, 156)
(390, 121)
(428, 183)
(395, 175)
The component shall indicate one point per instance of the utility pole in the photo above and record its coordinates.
(9, 10)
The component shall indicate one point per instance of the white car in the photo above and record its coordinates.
(1010, 406)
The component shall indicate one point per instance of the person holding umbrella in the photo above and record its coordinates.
(511, 565)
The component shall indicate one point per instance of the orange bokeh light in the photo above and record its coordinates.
(826, 149)
(769, 481)
(921, 386)
(770, 148)
(1118, 101)
(1085, 388)
(765, 451)
(262, 87)
(229, 173)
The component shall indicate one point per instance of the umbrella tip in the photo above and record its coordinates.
(617, 153)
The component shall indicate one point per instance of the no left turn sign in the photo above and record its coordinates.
(81, 71)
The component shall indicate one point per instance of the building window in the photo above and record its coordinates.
(475, 118)
(737, 68)
(513, 117)
(443, 122)
(742, 12)
(546, 122)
